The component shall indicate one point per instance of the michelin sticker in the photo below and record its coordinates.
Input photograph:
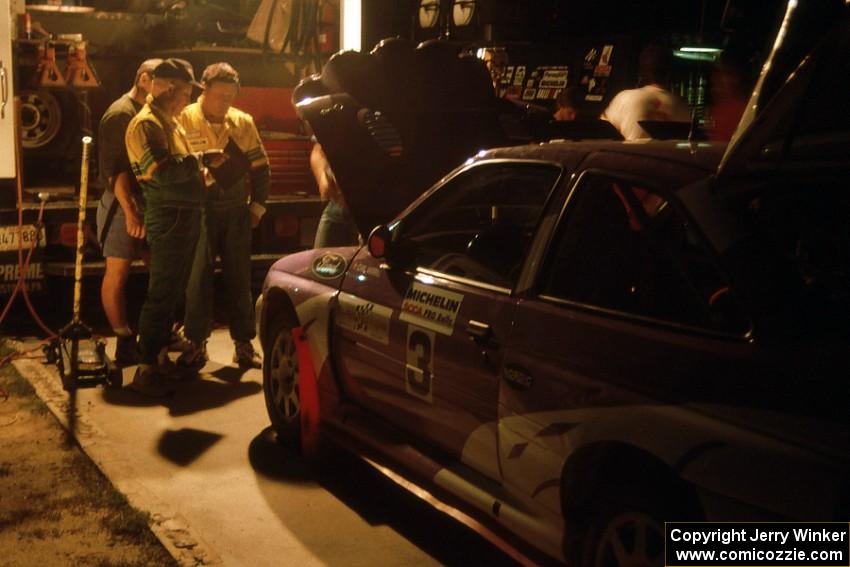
(430, 307)
(328, 266)
(364, 318)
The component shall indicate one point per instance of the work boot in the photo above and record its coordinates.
(246, 356)
(149, 380)
(193, 358)
(178, 341)
(126, 351)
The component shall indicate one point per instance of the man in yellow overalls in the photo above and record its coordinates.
(170, 175)
(232, 211)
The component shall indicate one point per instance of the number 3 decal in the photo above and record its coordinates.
(419, 371)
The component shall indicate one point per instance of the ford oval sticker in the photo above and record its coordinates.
(328, 266)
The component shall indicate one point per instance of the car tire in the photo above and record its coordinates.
(281, 384)
(625, 528)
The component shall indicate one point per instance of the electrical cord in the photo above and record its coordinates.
(23, 265)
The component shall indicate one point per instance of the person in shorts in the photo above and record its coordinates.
(120, 226)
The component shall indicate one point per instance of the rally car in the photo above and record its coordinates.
(575, 342)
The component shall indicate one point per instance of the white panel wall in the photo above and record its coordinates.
(7, 103)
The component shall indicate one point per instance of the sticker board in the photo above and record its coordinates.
(596, 69)
(545, 82)
(431, 307)
(364, 317)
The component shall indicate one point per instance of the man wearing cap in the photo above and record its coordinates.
(171, 179)
(212, 123)
(120, 228)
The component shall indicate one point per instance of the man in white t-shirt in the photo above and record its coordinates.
(652, 101)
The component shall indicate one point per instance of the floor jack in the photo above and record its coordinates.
(81, 358)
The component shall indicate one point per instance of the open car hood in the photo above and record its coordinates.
(394, 121)
(809, 29)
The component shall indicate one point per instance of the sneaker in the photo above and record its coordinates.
(126, 351)
(178, 341)
(246, 356)
(149, 380)
(194, 357)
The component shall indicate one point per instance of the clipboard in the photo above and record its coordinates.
(233, 169)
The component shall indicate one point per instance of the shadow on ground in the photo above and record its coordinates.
(184, 446)
(375, 498)
(190, 397)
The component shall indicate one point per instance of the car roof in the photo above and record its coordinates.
(683, 162)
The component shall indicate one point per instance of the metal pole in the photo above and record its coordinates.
(81, 221)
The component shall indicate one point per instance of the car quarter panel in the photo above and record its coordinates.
(697, 403)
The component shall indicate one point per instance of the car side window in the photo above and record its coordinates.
(479, 224)
(626, 248)
(800, 253)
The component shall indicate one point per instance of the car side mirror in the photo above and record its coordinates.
(379, 241)
(384, 245)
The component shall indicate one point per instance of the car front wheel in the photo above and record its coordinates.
(281, 386)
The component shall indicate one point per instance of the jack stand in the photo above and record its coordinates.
(79, 73)
(48, 73)
(82, 360)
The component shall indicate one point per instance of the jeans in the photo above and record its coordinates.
(336, 227)
(225, 233)
(172, 234)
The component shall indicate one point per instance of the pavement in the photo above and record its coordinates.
(221, 491)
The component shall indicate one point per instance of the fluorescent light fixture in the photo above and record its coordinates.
(691, 55)
(351, 28)
(690, 49)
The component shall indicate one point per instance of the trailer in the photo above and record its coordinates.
(61, 66)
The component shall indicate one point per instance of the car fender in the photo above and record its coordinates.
(304, 287)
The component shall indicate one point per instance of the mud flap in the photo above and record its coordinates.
(308, 393)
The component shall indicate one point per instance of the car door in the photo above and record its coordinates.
(630, 321)
(421, 346)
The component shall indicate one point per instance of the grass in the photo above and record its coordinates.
(121, 519)
(128, 522)
(111, 563)
(17, 385)
(16, 517)
(68, 496)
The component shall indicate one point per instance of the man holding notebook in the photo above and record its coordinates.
(236, 193)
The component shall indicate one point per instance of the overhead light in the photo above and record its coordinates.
(351, 14)
(698, 53)
(692, 49)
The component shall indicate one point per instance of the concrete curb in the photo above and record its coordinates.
(188, 549)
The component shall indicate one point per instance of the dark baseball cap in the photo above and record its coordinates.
(174, 68)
